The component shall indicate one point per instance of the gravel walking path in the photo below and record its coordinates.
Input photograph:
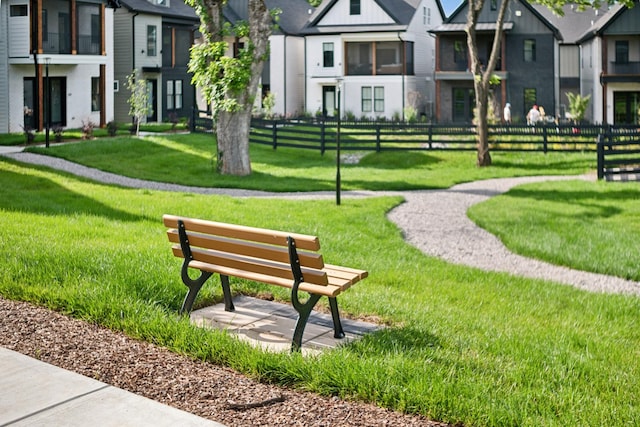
(434, 221)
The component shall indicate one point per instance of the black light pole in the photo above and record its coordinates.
(339, 86)
(47, 100)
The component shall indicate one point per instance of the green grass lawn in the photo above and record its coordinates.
(189, 160)
(462, 345)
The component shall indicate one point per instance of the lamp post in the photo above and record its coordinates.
(47, 101)
(338, 109)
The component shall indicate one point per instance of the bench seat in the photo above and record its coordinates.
(289, 260)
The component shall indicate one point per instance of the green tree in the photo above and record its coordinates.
(483, 72)
(229, 84)
(139, 106)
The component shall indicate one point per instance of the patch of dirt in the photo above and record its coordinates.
(207, 390)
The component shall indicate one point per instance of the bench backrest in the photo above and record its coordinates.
(257, 251)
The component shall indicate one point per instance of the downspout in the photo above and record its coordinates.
(34, 49)
(285, 75)
(305, 76)
(404, 72)
(133, 41)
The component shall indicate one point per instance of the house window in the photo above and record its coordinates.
(327, 54)
(530, 99)
(18, 10)
(408, 58)
(460, 53)
(354, 7)
(391, 58)
(494, 4)
(529, 50)
(89, 29)
(366, 99)
(174, 94)
(622, 52)
(424, 15)
(152, 35)
(96, 100)
(359, 59)
(378, 99)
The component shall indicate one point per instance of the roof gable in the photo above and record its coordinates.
(372, 12)
(489, 16)
(176, 9)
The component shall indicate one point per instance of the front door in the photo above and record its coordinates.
(626, 108)
(463, 104)
(152, 96)
(58, 101)
(329, 101)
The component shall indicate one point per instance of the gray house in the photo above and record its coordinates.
(154, 37)
(528, 64)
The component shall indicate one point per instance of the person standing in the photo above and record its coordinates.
(507, 113)
(533, 115)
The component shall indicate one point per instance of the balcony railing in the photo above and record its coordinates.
(58, 43)
(88, 45)
(624, 67)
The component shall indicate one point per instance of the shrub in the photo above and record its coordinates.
(87, 129)
(112, 128)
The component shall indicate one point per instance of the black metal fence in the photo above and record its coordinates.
(615, 145)
(618, 157)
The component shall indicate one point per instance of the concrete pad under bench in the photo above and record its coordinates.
(269, 325)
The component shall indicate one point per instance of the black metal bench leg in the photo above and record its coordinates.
(338, 332)
(194, 286)
(304, 311)
(226, 290)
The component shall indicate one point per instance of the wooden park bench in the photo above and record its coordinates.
(279, 258)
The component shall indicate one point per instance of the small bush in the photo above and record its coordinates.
(87, 129)
(112, 128)
(57, 133)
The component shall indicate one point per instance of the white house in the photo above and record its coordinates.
(610, 66)
(376, 53)
(59, 48)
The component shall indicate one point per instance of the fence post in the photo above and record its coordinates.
(544, 141)
(377, 138)
(274, 133)
(323, 139)
(430, 141)
(192, 126)
(600, 149)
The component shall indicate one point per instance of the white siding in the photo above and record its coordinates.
(140, 52)
(4, 71)
(370, 13)
(18, 33)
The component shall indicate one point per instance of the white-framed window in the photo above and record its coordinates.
(116, 85)
(96, 99)
(174, 94)
(354, 7)
(152, 39)
(378, 99)
(327, 54)
(366, 99)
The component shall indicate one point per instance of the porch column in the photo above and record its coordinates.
(74, 28)
(103, 95)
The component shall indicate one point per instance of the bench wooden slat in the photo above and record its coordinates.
(272, 237)
(254, 265)
(329, 290)
(275, 253)
(338, 270)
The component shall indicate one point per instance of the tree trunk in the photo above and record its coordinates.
(232, 132)
(482, 127)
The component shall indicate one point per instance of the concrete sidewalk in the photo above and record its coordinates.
(34, 393)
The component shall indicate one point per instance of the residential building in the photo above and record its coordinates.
(528, 65)
(376, 54)
(610, 66)
(155, 37)
(283, 74)
(56, 63)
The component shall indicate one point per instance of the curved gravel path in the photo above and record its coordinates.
(434, 221)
